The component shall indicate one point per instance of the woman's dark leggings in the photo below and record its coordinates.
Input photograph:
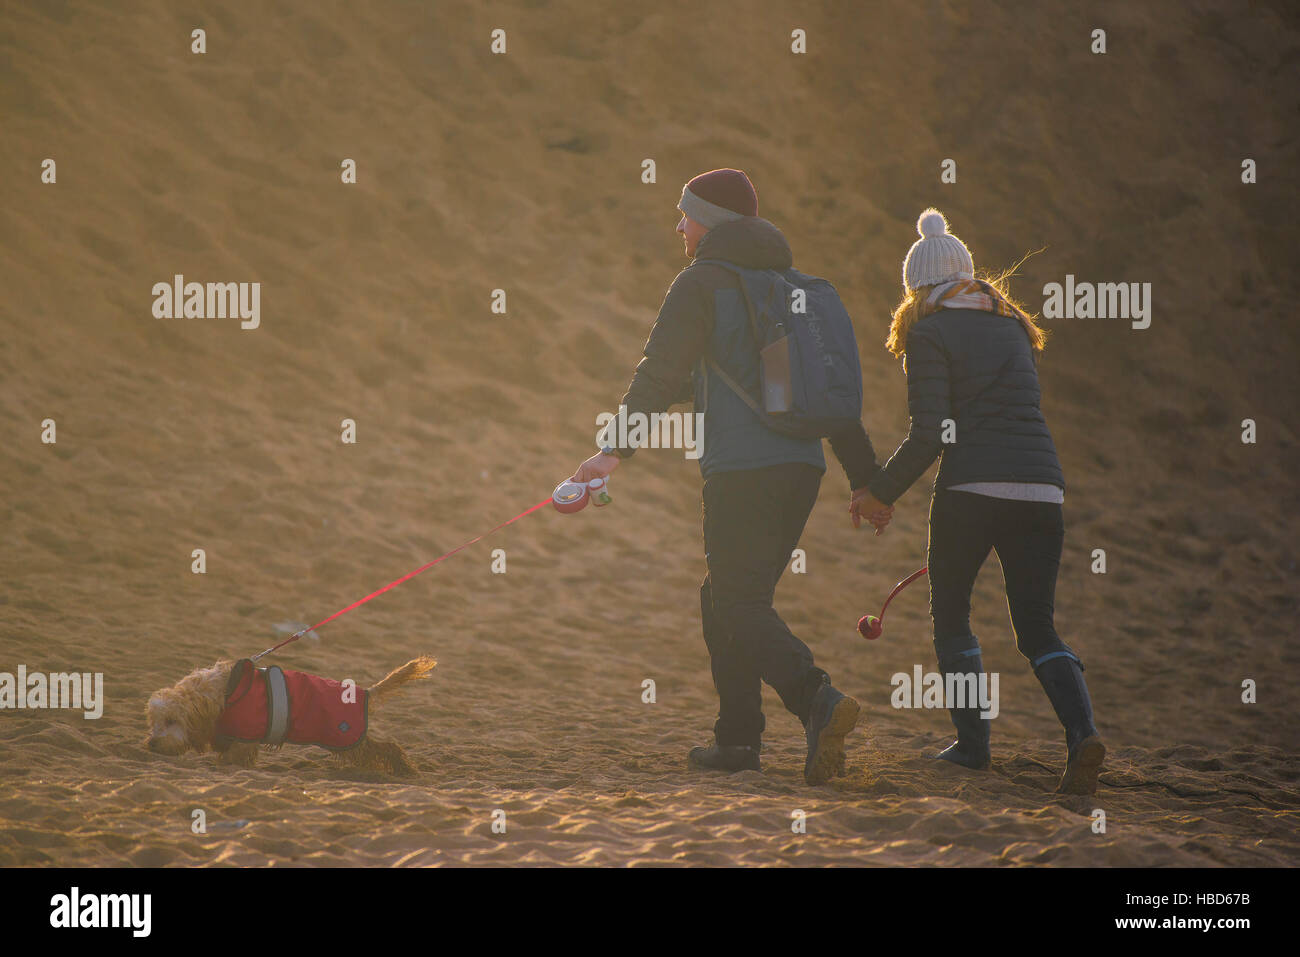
(1027, 536)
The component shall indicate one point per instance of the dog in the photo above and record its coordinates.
(236, 708)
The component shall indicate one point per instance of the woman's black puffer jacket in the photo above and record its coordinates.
(977, 370)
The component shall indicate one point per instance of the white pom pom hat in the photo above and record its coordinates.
(938, 256)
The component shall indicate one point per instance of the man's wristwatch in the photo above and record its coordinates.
(610, 450)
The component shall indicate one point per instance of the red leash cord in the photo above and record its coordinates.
(407, 577)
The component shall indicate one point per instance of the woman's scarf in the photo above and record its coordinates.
(972, 294)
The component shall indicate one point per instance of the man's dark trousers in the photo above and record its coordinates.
(752, 522)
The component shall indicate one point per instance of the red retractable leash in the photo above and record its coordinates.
(870, 626)
(568, 497)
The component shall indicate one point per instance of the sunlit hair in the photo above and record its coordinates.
(914, 308)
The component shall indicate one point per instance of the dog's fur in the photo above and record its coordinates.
(184, 718)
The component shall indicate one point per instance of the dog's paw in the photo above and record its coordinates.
(240, 754)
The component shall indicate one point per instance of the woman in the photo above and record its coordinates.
(972, 391)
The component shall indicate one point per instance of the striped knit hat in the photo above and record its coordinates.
(937, 256)
(718, 197)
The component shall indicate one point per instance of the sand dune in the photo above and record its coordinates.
(522, 172)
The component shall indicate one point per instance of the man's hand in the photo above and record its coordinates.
(598, 466)
(865, 505)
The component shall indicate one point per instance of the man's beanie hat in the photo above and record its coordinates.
(719, 196)
(937, 256)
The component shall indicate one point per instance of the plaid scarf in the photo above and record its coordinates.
(972, 294)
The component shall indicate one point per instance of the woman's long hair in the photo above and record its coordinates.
(914, 307)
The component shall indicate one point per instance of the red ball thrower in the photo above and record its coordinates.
(870, 626)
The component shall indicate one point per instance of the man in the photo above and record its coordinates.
(759, 485)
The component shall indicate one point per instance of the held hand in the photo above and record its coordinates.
(598, 466)
(865, 505)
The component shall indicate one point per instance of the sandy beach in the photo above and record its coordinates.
(523, 172)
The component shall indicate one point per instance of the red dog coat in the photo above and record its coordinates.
(272, 706)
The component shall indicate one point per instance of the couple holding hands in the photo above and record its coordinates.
(969, 352)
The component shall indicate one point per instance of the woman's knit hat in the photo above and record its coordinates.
(938, 256)
(719, 196)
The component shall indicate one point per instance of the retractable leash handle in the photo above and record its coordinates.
(871, 626)
(570, 497)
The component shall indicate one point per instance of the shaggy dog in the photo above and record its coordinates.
(235, 708)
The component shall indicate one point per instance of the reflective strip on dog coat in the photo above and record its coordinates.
(271, 706)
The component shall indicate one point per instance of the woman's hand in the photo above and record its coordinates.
(865, 505)
(598, 466)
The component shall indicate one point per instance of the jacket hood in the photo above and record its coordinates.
(751, 243)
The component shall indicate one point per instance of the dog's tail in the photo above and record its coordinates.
(414, 669)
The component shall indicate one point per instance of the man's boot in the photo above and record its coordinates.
(724, 757)
(832, 715)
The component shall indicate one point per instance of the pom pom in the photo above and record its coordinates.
(931, 223)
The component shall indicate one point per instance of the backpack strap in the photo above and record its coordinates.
(736, 387)
(731, 383)
(744, 295)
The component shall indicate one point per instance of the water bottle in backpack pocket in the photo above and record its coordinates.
(810, 377)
